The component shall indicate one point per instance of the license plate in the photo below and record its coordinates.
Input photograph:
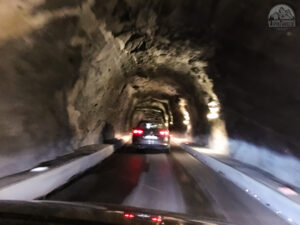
(150, 137)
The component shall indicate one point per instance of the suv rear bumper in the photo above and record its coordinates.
(161, 146)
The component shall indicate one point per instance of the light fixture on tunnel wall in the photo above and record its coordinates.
(186, 115)
(186, 122)
(213, 110)
(212, 115)
(212, 104)
(39, 169)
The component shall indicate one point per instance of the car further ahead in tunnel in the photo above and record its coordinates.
(151, 135)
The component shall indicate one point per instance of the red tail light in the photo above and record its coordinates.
(129, 215)
(156, 219)
(137, 131)
(164, 133)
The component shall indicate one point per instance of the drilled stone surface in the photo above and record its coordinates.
(68, 68)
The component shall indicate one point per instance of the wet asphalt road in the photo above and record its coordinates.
(174, 182)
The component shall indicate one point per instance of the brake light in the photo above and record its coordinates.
(129, 215)
(137, 131)
(156, 219)
(164, 133)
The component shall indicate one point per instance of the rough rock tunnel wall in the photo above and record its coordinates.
(70, 67)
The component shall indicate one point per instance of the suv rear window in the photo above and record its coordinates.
(150, 125)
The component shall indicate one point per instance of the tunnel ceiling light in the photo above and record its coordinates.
(212, 116)
(39, 169)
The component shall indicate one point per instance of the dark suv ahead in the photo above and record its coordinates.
(151, 135)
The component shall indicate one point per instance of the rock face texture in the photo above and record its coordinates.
(71, 71)
(37, 64)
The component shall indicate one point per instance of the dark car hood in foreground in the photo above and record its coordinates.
(55, 212)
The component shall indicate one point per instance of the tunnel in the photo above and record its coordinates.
(82, 72)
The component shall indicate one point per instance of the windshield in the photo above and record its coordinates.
(181, 106)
